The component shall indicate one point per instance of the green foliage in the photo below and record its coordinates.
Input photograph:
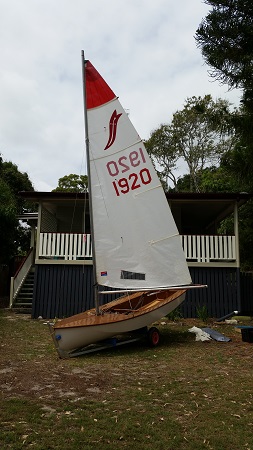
(72, 183)
(175, 315)
(199, 134)
(217, 179)
(226, 40)
(160, 148)
(246, 235)
(8, 221)
(13, 238)
(202, 313)
(238, 161)
(210, 179)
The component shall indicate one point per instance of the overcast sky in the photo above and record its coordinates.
(144, 49)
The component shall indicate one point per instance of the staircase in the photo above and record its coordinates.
(24, 297)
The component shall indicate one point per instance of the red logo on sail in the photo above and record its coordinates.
(112, 128)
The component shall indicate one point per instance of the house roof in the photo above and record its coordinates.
(37, 196)
(204, 210)
(197, 210)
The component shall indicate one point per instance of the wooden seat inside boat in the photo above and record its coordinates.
(149, 305)
(137, 302)
(141, 305)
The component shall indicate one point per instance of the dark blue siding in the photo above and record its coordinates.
(222, 295)
(61, 290)
(64, 290)
(247, 293)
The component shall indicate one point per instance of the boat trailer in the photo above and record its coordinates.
(152, 336)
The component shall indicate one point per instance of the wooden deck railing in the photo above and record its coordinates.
(68, 246)
(200, 249)
(209, 248)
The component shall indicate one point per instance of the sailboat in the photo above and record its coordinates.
(137, 250)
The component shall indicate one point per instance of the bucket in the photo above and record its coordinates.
(247, 334)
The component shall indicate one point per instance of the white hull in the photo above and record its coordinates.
(86, 328)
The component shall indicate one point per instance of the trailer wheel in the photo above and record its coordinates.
(153, 337)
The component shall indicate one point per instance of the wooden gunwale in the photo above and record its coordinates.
(151, 302)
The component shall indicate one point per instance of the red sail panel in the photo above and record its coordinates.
(97, 90)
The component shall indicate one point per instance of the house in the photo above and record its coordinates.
(57, 273)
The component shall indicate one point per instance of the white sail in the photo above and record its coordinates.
(137, 244)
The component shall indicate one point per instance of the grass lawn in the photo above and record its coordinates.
(181, 395)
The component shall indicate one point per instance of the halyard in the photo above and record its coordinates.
(181, 395)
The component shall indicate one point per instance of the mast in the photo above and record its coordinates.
(87, 145)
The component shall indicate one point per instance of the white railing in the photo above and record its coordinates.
(201, 249)
(68, 246)
(209, 248)
(19, 277)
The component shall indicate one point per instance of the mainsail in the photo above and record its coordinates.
(137, 244)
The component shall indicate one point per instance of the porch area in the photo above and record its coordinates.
(62, 233)
(76, 247)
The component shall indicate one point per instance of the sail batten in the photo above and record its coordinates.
(116, 151)
(163, 239)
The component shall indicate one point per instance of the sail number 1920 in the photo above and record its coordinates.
(132, 181)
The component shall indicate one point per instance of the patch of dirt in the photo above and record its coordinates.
(42, 375)
(34, 379)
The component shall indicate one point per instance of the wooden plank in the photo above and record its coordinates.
(53, 247)
(189, 246)
(62, 244)
(70, 247)
(57, 248)
(198, 242)
(194, 243)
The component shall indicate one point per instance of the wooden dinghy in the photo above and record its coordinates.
(128, 313)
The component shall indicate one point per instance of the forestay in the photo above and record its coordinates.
(137, 244)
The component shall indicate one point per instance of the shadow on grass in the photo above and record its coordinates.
(169, 338)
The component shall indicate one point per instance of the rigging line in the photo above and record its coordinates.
(86, 197)
(85, 202)
(132, 308)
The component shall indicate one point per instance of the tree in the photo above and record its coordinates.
(161, 150)
(198, 134)
(210, 179)
(11, 234)
(72, 183)
(8, 222)
(225, 37)
(238, 160)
